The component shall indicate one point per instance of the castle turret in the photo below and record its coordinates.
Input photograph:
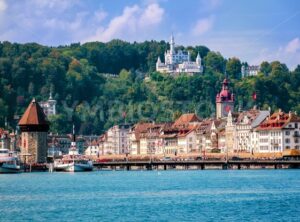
(198, 60)
(172, 45)
(224, 101)
(158, 62)
(34, 128)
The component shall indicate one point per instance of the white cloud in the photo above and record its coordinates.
(100, 15)
(293, 46)
(133, 21)
(202, 26)
(59, 21)
(290, 54)
(74, 24)
(152, 15)
(3, 5)
(126, 22)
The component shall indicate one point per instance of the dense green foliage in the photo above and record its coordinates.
(86, 95)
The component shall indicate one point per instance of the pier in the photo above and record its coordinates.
(199, 164)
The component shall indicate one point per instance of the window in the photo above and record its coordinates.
(191, 139)
(296, 125)
(296, 141)
(287, 133)
(287, 140)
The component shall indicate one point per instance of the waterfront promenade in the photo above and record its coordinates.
(199, 164)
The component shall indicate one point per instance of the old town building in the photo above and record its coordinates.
(116, 140)
(5, 139)
(187, 140)
(134, 137)
(92, 148)
(279, 132)
(150, 140)
(208, 135)
(245, 136)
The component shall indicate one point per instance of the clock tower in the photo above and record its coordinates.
(224, 101)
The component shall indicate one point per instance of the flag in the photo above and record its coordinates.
(254, 96)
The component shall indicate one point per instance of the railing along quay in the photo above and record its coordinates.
(200, 164)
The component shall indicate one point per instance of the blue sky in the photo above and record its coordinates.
(253, 31)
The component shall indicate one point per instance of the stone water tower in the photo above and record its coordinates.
(34, 129)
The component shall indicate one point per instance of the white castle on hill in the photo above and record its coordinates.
(178, 62)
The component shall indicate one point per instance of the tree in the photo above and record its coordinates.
(233, 68)
(265, 68)
(297, 69)
(215, 61)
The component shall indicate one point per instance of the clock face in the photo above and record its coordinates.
(227, 108)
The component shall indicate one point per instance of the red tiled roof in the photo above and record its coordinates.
(140, 128)
(278, 120)
(186, 118)
(2, 131)
(184, 132)
(205, 126)
(252, 114)
(34, 115)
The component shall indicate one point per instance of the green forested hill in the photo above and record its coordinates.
(77, 74)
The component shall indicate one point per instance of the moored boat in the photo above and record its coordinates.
(73, 161)
(9, 163)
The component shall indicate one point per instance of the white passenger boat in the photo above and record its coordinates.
(9, 163)
(73, 161)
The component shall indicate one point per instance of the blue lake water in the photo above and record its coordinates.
(209, 195)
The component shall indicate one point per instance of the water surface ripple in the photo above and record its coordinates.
(209, 195)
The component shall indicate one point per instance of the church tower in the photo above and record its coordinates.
(34, 129)
(224, 101)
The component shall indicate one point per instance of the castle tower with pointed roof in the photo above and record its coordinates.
(34, 129)
(178, 61)
(224, 101)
